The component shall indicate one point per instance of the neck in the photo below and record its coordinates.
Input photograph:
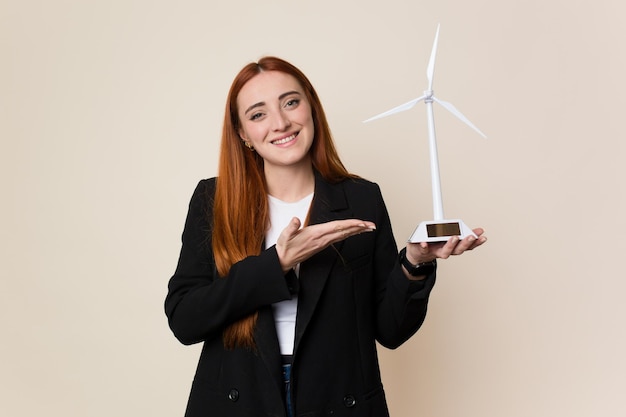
(290, 183)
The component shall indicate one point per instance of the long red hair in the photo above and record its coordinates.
(241, 213)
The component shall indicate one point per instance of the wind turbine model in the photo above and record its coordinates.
(439, 229)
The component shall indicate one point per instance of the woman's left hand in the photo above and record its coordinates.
(424, 252)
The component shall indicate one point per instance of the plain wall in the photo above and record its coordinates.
(110, 112)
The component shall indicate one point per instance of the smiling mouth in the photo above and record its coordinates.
(284, 140)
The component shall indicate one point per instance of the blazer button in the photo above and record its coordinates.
(349, 401)
(233, 395)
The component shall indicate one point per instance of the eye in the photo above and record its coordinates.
(292, 103)
(256, 116)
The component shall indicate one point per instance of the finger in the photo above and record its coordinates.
(449, 247)
(470, 242)
(340, 230)
(343, 229)
(465, 244)
(480, 238)
(425, 249)
(478, 231)
(343, 233)
(478, 242)
(292, 228)
(422, 252)
(353, 223)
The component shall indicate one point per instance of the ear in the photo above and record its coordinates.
(241, 134)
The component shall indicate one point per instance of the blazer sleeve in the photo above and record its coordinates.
(401, 303)
(200, 304)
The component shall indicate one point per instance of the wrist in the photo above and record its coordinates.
(417, 268)
(409, 257)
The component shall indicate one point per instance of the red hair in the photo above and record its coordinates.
(240, 211)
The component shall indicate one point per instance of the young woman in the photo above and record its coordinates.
(289, 272)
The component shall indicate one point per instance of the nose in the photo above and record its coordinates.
(280, 121)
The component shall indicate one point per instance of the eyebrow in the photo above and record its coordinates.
(280, 97)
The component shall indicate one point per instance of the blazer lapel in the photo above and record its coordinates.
(329, 203)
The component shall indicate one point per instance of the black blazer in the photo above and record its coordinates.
(350, 296)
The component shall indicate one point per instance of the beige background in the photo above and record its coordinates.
(110, 111)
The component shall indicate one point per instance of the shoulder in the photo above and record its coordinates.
(205, 190)
(360, 192)
(360, 186)
(203, 196)
(206, 185)
(360, 182)
(349, 187)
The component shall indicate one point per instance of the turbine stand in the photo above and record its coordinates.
(440, 231)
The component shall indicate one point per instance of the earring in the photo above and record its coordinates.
(248, 145)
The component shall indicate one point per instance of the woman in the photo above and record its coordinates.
(289, 272)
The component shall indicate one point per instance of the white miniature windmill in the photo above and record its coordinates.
(439, 229)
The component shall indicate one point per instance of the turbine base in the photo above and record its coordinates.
(440, 231)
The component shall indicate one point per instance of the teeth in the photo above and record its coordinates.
(284, 140)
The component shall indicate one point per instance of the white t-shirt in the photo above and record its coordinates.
(281, 214)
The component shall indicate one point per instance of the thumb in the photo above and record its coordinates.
(293, 226)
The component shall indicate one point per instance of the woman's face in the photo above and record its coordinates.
(276, 119)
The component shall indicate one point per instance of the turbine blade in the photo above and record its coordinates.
(402, 107)
(458, 114)
(431, 62)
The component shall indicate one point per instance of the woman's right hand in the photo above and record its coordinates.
(296, 245)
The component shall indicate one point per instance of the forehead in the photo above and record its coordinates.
(265, 87)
